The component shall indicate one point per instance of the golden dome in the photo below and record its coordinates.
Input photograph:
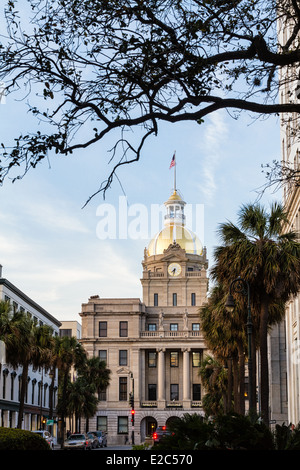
(175, 233)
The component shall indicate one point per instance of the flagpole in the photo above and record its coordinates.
(175, 172)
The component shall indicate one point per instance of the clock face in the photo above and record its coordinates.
(174, 269)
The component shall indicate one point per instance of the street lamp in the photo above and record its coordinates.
(240, 286)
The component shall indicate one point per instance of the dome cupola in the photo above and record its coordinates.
(175, 230)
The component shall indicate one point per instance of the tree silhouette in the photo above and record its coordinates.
(94, 68)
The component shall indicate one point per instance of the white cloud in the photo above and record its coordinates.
(215, 136)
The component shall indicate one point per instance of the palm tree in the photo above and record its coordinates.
(258, 251)
(96, 376)
(17, 332)
(42, 355)
(225, 335)
(68, 353)
(214, 378)
(76, 398)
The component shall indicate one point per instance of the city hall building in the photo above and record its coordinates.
(152, 347)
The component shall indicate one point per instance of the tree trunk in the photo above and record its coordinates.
(229, 387)
(22, 394)
(235, 385)
(51, 389)
(254, 371)
(241, 378)
(264, 367)
(64, 405)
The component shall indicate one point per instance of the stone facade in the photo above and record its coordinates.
(153, 347)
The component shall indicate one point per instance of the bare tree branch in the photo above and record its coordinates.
(132, 64)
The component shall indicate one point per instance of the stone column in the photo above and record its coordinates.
(142, 361)
(161, 376)
(186, 388)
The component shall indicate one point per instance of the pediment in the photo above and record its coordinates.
(174, 252)
(123, 370)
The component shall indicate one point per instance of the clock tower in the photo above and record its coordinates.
(174, 265)
(153, 347)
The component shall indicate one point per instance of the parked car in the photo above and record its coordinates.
(47, 436)
(78, 441)
(160, 433)
(94, 439)
(102, 437)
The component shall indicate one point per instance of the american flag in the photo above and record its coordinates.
(172, 161)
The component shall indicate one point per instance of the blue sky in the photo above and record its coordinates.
(49, 247)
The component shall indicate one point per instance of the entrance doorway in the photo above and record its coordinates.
(148, 426)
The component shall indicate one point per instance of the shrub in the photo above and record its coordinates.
(287, 437)
(187, 433)
(237, 432)
(18, 439)
(232, 431)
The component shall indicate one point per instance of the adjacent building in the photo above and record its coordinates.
(70, 328)
(290, 151)
(153, 347)
(36, 409)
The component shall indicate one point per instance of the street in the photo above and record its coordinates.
(109, 448)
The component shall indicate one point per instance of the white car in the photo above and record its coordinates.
(78, 441)
(47, 436)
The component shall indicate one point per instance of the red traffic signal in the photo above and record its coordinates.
(132, 412)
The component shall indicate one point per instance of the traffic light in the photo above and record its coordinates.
(132, 416)
(131, 400)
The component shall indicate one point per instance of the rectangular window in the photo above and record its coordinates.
(12, 383)
(5, 372)
(174, 327)
(122, 388)
(196, 392)
(102, 395)
(102, 423)
(103, 355)
(174, 359)
(174, 392)
(174, 300)
(102, 329)
(193, 299)
(152, 327)
(123, 328)
(155, 300)
(122, 425)
(123, 357)
(196, 358)
(196, 326)
(151, 359)
(32, 390)
(152, 392)
(65, 332)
